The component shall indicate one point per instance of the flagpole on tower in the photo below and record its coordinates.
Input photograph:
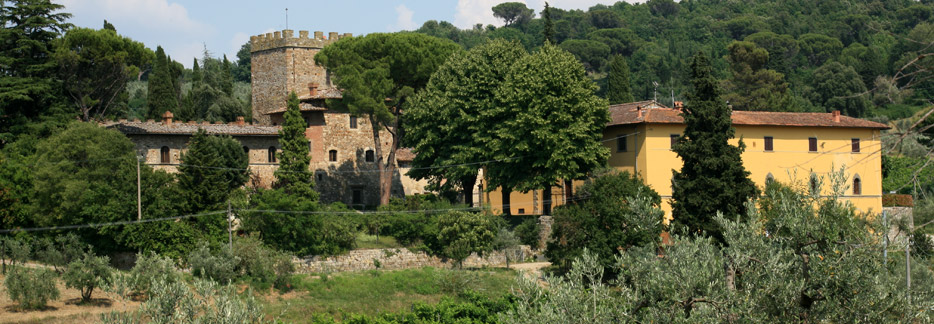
(286, 18)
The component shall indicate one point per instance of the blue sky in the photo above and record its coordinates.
(184, 27)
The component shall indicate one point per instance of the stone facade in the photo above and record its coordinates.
(395, 259)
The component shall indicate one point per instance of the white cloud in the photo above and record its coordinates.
(404, 19)
(151, 14)
(236, 41)
(184, 53)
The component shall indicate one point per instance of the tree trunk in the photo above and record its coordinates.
(386, 167)
(507, 208)
(468, 183)
(546, 200)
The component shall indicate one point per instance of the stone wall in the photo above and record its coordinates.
(394, 259)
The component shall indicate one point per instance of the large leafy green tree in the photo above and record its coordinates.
(554, 127)
(162, 95)
(753, 86)
(450, 123)
(377, 74)
(617, 212)
(94, 66)
(839, 87)
(513, 13)
(618, 89)
(213, 166)
(293, 176)
(712, 178)
(27, 86)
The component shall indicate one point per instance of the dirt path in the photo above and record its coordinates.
(531, 269)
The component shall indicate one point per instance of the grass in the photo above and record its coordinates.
(375, 292)
(366, 241)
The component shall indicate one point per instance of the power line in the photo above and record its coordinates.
(95, 225)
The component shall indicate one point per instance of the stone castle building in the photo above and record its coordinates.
(342, 151)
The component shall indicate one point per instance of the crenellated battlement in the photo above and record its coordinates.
(286, 38)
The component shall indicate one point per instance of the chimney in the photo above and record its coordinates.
(313, 89)
(639, 111)
(679, 104)
(836, 116)
(240, 121)
(167, 118)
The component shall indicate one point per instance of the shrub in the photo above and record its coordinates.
(149, 267)
(14, 250)
(406, 228)
(462, 233)
(61, 251)
(219, 267)
(31, 289)
(263, 264)
(528, 232)
(88, 273)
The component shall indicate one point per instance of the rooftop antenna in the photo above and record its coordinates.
(286, 18)
(655, 92)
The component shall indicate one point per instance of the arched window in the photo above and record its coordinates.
(769, 179)
(857, 186)
(165, 158)
(332, 155)
(369, 156)
(272, 154)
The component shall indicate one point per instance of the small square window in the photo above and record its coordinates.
(768, 143)
(353, 122)
(855, 145)
(522, 210)
(369, 156)
(621, 144)
(332, 155)
(812, 144)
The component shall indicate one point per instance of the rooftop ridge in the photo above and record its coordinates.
(286, 38)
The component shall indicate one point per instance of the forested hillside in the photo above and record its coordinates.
(797, 55)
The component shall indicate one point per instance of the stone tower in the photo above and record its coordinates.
(282, 63)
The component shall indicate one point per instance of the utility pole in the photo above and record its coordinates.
(229, 230)
(885, 240)
(139, 190)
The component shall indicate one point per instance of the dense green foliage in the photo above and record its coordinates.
(211, 169)
(151, 267)
(615, 212)
(378, 73)
(619, 88)
(298, 225)
(712, 179)
(219, 264)
(658, 38)
(293, 175)
(31, 289)
(463, 233)
(162, 96)
(451, 123)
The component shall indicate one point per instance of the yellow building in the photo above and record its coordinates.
(786, 147)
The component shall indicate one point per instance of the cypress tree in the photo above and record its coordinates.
(712, 178)
(549, 30)
(227, 77)
(195, 72)
(619, 89)
(161, 94)
(292, 175)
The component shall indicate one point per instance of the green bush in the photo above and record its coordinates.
(263, 264)
(60, 251)
(528, 232)
(406, 228)
(13, 251)
(31, 289)
(220, 266)
(462, 233)
(149, 267)
(88, 273)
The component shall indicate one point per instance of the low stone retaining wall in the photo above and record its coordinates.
(400, 258)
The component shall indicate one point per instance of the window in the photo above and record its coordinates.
(271, 157)
(357, 197)
(855, 145)
(768, 143)
(621, 144)
(521, 210)
(674, 139)
(353, 122)
(246, 150)
(812, 144)
(857, 186)
(164, 155)
(332, 155)
(320, 177)
(368, 156)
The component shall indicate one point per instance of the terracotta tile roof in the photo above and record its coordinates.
(304, 106)
(180, 128)
(624, 114)
(405, 154)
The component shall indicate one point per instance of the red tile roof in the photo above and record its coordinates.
(304, 106)
(405, 154)
(181, 128)
(637, 113)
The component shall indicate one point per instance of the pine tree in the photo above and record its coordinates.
(161, 90)
(619, 90)
(293, 175)
(549, 30)
(712, 178)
